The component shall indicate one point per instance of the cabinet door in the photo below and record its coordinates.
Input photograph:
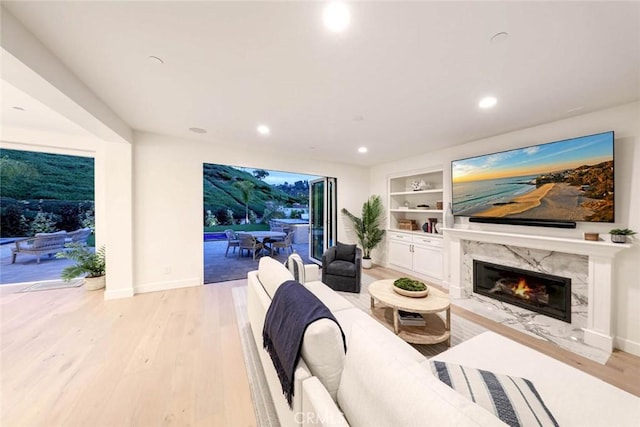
(400, 254)
(427, 260)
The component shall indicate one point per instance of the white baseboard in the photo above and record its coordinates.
(171, 284)
(118, 293)
(628, 346)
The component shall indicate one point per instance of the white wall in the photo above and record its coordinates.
(625, 121)
(168, 201)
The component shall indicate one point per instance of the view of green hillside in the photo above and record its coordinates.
(222, 193)
(42, 192)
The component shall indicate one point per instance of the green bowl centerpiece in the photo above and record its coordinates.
(410, 287)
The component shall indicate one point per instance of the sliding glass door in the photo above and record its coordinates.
(322, 217)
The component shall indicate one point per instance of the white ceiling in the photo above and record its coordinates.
(404, 78)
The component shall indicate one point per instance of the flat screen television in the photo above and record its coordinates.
(564, 182)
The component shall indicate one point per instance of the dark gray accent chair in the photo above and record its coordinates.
(341, 268)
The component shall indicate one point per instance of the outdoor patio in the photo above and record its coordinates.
(217, 267)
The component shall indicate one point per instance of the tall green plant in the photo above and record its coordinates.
(246, 193)
(368, 228)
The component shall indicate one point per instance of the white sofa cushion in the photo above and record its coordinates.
(318, 410)
(323, 351)
(334, 301)
(272, 274)
(376, 389)
(513, 399)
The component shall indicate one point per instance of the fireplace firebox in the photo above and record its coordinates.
(539, 292)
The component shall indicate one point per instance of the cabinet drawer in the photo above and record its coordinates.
(400, 236)
(429, 241)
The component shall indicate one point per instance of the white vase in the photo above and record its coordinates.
(448, 217)
(366, 263)
(94, 283)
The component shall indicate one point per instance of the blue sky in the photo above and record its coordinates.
(555, 156)
(277, 177)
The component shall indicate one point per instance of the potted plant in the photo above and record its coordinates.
(619, 235)
(87, 262)
(367, 228)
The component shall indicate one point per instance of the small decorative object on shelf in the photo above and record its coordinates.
(619, 235)
(439, 205)
(410, 288)
(419, 185)
(406, 204)
(594, 237)
(449, 220)
(407, 224)
(432, 225)
(422, 207)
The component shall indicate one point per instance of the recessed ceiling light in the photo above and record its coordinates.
(18, 108)
(263, 130)
(487, 102)
(155, 59)
(336, 16)
(499, 37)
(363, 150)
(198, 130)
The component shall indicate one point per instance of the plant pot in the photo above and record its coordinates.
(618, 238)
(411, 294)
(94, 283)
(366, 263)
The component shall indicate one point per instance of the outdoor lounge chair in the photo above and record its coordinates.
(40, 244)
(232, 241)
(79, 236)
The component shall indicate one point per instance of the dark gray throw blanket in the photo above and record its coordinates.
(292, 309)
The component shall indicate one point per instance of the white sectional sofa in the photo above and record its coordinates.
(383, 381)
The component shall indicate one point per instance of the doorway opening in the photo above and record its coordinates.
(250, 213)
(47, 200)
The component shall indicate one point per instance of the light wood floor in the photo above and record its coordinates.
(69, 358)
(622, 369)
(167, 358)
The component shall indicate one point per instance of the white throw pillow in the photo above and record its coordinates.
(296, 267)
(272, 274)
(323, 352)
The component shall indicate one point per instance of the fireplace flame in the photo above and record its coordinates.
(521, 290)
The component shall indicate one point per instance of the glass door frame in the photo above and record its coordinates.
(323, 231)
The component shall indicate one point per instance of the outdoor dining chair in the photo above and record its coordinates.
(232, 241)
(285, 244)
(249, 243)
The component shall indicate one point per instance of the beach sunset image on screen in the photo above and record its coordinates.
(570, 180)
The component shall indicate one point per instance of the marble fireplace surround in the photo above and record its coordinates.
(586, 261)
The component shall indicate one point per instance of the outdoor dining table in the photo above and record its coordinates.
(264, 235)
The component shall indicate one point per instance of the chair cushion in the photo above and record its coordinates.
(341, 268)
(295, 265)
(272, 274)
(514, 400)
(346, 252)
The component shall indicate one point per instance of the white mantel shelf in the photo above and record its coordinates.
(557, 244)
(599, 332)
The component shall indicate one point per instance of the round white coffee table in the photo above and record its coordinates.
(435, 330)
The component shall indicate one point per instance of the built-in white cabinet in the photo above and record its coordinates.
(415, 253)
(416, 196)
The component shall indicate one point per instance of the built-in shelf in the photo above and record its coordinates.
(439, 211)
(404, 193)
